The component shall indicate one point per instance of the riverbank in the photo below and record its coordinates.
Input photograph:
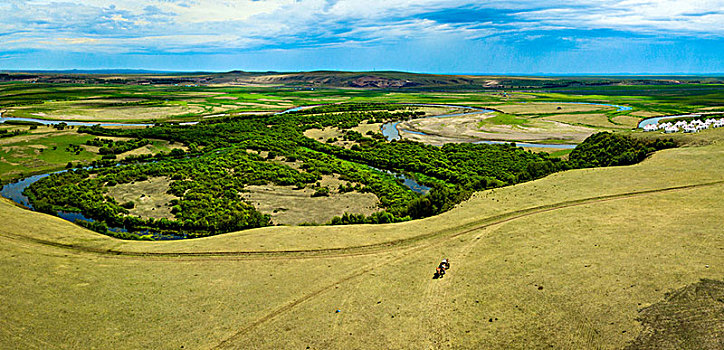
(480, 125)
(656, 120)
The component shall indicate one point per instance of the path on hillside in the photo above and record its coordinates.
(447, 233)
(393, 251)
(433, 291)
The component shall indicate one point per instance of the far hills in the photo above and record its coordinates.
(339, 79)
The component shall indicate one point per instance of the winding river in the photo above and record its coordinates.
(14, 191)
(408, 182)
(76, 123)
(391, 132)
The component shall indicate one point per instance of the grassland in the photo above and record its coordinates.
(289, 206)
(41, 151)
(497, 126)
(544, 108)
(150, 198)
(504, 119)
(566, 261)
(588, 120)
(545, 117)
(154, 147)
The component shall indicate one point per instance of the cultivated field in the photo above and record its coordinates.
(567, 261)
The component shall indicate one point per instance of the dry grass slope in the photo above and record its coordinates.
(689, 318)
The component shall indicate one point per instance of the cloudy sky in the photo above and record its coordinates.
(435, 36)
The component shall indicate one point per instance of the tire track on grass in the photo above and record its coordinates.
(433, 242)
(227, 342)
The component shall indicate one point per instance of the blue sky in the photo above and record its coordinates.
(432, 36)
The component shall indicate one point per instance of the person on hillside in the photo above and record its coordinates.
(444, 265)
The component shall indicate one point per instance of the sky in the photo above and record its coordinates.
(426, 36)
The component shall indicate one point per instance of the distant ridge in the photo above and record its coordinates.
(91, 71)
(386, 80)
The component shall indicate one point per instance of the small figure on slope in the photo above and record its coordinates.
(440, 270)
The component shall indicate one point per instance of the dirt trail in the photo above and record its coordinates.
(394, 251)
(228, 342)
(433, 291)
(437, 294)
(447, 233)
(435, 299)
(392, 260)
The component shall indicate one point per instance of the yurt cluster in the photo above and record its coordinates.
(681, 125)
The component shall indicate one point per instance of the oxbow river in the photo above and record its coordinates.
(14, 191)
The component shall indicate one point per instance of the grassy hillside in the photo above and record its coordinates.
(566, 261)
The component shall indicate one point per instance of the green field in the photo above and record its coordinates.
(150, 103)
(40, 152)
(504, 119)
(46, 149)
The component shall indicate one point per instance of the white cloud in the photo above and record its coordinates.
(207, 25)
(647, 16)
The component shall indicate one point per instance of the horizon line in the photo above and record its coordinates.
(131, 71)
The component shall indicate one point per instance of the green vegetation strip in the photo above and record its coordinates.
(153, 103)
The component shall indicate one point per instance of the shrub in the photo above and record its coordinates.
(321, 192)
